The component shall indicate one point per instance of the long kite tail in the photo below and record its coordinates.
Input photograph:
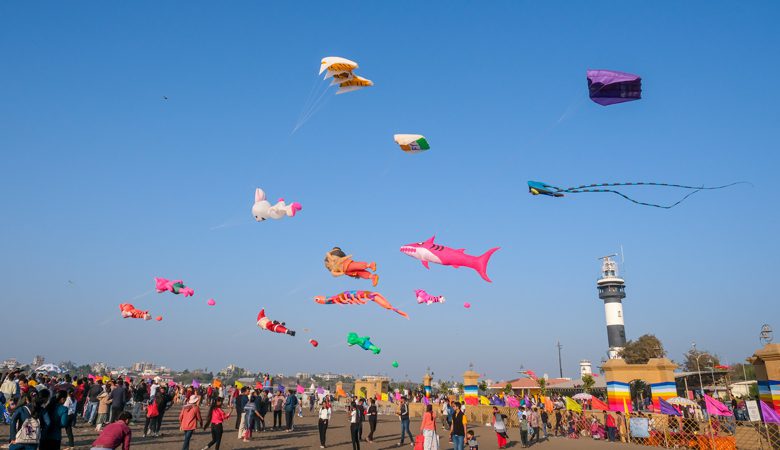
(400, 312)
(594, 188)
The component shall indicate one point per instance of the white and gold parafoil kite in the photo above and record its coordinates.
(412, 143)
(342, 72)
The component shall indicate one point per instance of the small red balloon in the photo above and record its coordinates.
(467, 305)
(313, 342)
(158, 318)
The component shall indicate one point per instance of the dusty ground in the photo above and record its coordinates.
(305, 436)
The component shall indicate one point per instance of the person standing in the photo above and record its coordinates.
(115, 434)
(428, 429)
(217, 417)
(535, 422)
(104, 406)
(54, 417)
(361, 407)
(458, 428)
(611, 426)
(403, 414)
(289, 410)
(140, 396)
(524, 431)
(324, 418)
(354, 425)
(118, 399)
(240, 404)
(263, 407)
(189, 420)
(545, 423)
(90, 411)
(372, 418)
(71, 404)
(278, 404)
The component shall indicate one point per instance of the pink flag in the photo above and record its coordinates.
(715, 407)
(769, 414)
(300, 389)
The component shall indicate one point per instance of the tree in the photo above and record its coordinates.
(705, 359)
(588, 382)
(742, 372)
(542, 382)
(508, 389)
(640, 351)
(444, 387)
(460, 388)
(482, 386)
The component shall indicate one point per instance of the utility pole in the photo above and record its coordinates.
(560, 366)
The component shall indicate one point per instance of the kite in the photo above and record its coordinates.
(363, 341)
(540, 188)
(608, 87)
(339, 263)
(342, 72)
(358, 298)
(129, 312)
(412, 143)
(424, 297)
(467, 305)
(272, 325)
(313, 343)
(428, 251)
(395, 364)
(211, 302)
(262, 209)
(158, 318)
(175, 286)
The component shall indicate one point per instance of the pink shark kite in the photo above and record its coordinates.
(429, 252)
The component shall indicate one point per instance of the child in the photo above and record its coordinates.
(471, 440)
(103, 408)
(524, 430)
(339, 263)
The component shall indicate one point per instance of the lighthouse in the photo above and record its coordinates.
(612, 291)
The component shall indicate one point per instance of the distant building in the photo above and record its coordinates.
(10, 364)
(328, 376)
(525, 386)
(99, 367)
(38, 361)
(302, 375)
(142, 366)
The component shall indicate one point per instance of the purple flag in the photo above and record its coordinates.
(769, 414)
(667, 408)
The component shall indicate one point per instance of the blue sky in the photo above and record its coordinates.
(106, 184)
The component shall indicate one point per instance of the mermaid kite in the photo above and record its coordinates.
(339, 263)
(358, 298)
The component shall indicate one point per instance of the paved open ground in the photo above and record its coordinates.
(305, 436)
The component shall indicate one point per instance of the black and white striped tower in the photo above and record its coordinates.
(612, 291)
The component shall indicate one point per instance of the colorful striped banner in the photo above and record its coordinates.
(769, 392)
(618, 394)
(471, 394)
(427, 390)
(665, 391)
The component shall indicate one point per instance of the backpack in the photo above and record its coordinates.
(30, 432)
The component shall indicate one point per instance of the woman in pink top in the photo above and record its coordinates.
(428, 429)
(217, 417)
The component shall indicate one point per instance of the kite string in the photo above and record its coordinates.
(315, 106)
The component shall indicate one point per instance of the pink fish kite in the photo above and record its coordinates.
(424, 297)
(175, 286)
(429, 252)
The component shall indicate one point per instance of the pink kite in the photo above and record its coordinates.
(467, 305)
(429, 252)
(424, 297)
(211, 302)
(174, 286)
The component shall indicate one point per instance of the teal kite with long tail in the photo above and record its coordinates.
(540, 188)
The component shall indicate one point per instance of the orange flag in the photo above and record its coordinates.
(595, 403)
